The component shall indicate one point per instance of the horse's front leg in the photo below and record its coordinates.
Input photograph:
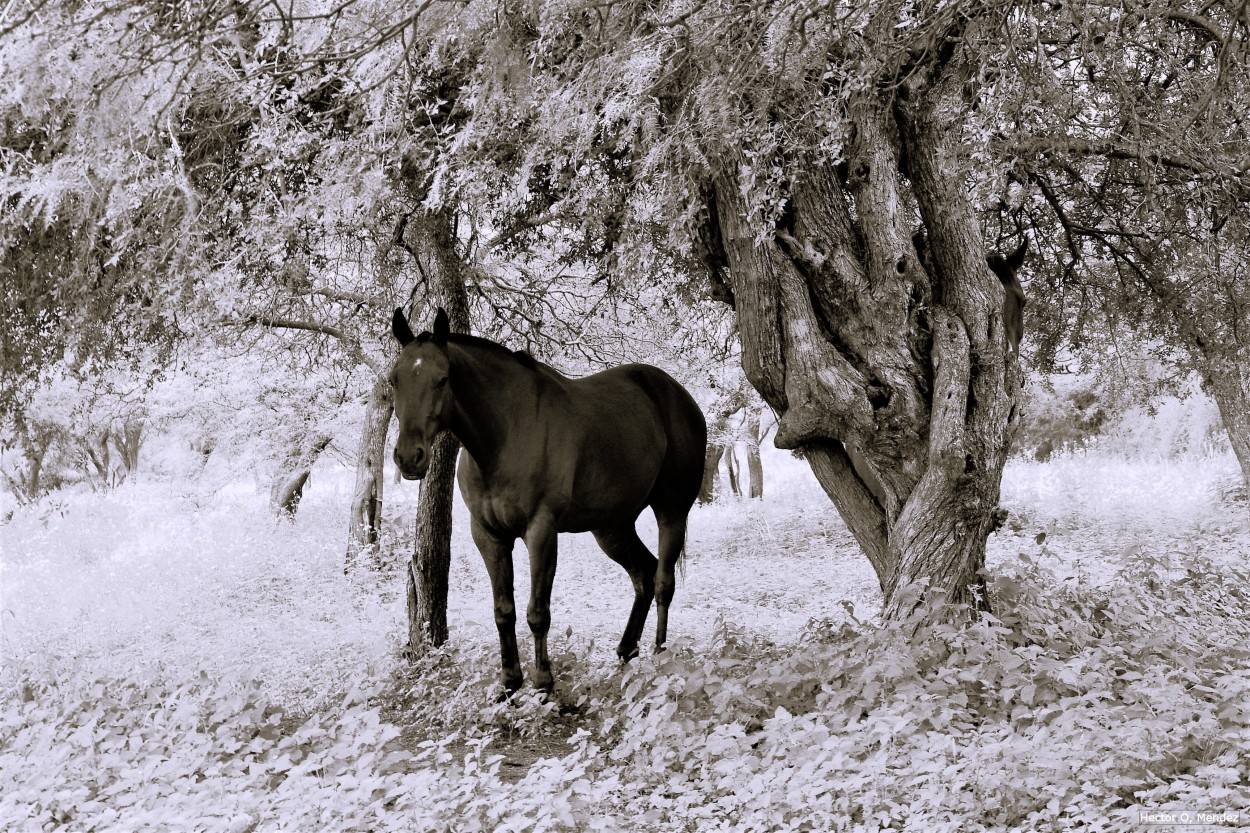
(540, 540)
(497, 554)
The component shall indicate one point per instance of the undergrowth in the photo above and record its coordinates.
(1075, 707)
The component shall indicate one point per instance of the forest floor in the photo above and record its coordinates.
(173, 658)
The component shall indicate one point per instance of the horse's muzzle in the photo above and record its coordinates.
(413, 467)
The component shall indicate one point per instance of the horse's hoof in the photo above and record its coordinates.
(627, 654)
(507, 693)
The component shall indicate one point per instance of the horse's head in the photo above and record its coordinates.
(422, 396)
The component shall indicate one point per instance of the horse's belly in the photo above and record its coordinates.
(588, 474)
(499, 515)
(586, 519)
(608, 494)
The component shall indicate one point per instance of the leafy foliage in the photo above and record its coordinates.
(96, 222)
(1077, 708)
(1116, 404)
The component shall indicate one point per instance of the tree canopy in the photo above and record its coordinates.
(838, 173)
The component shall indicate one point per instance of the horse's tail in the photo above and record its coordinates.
(681, 474)
(679, 565)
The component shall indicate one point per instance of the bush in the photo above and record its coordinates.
(1057, 421)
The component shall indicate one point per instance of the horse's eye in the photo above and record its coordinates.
(441, 383)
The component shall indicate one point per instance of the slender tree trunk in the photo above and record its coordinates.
(37, 455)
(430, 239)
(97, 459)
(731, 466)
(128, 439)
(431, 559)
(363, 525)
(755, 465)
(711, 472)
(26, 482)
(717, 433)
(289, 482)
(203, 446)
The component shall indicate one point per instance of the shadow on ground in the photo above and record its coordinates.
(522, 729)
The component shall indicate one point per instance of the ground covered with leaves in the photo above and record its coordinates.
(175, 660)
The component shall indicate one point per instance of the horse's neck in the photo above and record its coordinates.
(492, 391)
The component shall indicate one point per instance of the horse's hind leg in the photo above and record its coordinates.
(497, 554)
(672, 539)
(623, 546)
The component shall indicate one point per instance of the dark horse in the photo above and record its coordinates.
(545, 454)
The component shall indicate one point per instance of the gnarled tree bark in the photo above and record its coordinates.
(888, 367)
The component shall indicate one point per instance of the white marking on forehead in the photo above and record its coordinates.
(416, 365)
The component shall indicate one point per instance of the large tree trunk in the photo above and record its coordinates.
(430, 238)
(363, 526)
(1227, 380)
(288, 484)
(858, 339)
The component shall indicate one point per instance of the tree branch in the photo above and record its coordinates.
(351, 345)
(345, 296)
(1046, 145)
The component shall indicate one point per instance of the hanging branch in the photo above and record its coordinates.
(350, 344)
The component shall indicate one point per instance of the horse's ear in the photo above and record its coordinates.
(1016, 259)
(442, 327)
(401, 330)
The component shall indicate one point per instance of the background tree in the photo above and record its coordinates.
(835, 171)
(97, 226)
(734, 419)
(1124, 143)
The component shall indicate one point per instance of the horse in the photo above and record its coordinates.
(543, 453)
(1006, 269)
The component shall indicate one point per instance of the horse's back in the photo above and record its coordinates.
(675, 408)
(683, 425)
(592, 453)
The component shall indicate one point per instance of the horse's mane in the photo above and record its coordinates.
(521, 356)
